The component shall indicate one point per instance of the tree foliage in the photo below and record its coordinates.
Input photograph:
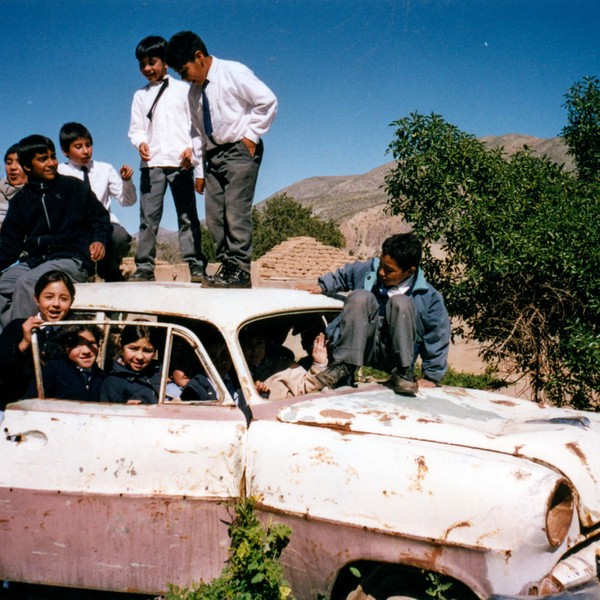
(282, 218)
(582, 133)
(520, 248)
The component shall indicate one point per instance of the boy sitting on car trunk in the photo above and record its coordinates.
(391, 316)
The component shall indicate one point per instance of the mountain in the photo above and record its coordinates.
(357, 202)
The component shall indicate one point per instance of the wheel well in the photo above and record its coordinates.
(403, 579)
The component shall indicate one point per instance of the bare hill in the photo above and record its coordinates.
(357, 202)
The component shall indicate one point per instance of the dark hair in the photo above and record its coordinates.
(14, 149)
(69, 132)
(69, 337)
(153, 46)
(52, 277)
(31, 145)
(182, 49)
(133, 333)
(404, 248)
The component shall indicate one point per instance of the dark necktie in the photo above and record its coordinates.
(163, 87)
(86, 175)
(206, 120)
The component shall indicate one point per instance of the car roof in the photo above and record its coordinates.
(225, 308)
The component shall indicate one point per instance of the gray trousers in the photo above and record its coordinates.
(153, 186)
(367, 338)
(18, 282)
(230, 179)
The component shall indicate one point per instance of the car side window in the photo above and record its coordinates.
(134, 361)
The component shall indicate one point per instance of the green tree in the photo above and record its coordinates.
(520, 248)
(283, 217)
(582, 134)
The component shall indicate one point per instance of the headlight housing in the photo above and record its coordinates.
(559, 513)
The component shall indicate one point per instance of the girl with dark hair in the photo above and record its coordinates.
(54, 293)
(75, 375)
(135, 376)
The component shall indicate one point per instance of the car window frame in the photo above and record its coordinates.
(172, 331)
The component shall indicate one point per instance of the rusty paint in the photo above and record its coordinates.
(424, 420)
(323, 455)
(422, 471)
(455, 526)
(575, 449)
(504, 402)
(336, 414)
(520, 474)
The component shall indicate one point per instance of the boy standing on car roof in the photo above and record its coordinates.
(231, 110)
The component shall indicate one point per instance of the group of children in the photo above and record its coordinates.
(201, 135)
(204, 135)
(391, 315)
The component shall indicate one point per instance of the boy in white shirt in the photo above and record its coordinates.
(160, 130)
(231, 110)
(77, 145)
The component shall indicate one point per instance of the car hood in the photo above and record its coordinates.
(565, 440)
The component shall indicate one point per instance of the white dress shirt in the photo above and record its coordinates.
(168, 134)
(105, 182)
(241, 105)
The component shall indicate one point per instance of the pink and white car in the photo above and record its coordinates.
(499, 496)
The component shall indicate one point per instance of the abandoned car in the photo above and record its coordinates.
(499, 496)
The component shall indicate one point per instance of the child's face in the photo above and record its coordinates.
(180, 378)
(254, 349)
(153, 69)
(54, 301)
(390, 274)
(138, 355)
(43, 166)
(14, 173)
(196, 70)
(80, 151)
(85, 353)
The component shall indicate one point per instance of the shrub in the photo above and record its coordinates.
(253, 570)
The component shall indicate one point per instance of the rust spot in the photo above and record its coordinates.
(422, 470)
(517, 450)
(456, 526)
(423, 420)
(336, 414)
(504, 402)
(521, 474)
(575, 449)
(323, 455)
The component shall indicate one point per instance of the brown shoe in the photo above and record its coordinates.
(404, 384)
(336, 375)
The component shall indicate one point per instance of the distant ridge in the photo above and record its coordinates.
(357, 202)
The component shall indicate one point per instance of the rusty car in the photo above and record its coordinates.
(497, 495)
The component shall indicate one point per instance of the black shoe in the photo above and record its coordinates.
(197, 274)
(141, 275)
(231, 276)
(403, 382)
(336, 375)
(114, 276)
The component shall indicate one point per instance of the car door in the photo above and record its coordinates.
(119, 496)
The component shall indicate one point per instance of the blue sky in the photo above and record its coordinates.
(342, 70)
